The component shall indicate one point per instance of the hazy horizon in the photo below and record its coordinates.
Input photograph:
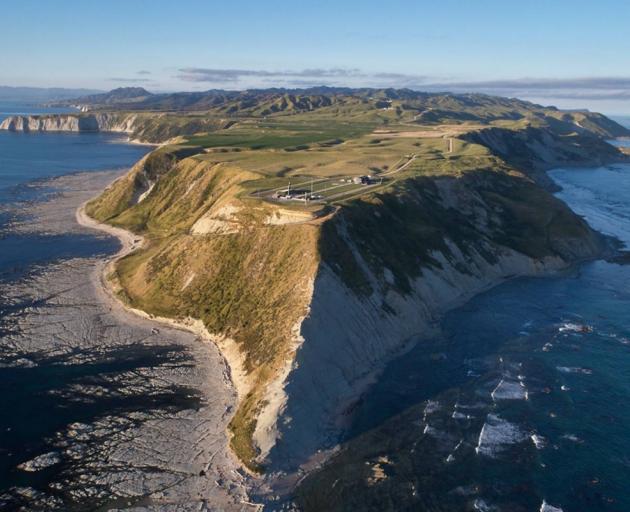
(63, 93)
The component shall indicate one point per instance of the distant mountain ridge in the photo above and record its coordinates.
(419, 107)
(158, 117)
(121, 95)
(273, 100)
(41, 94)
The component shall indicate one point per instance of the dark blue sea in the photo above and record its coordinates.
(526, 396)
(28, 158)
(25, 157)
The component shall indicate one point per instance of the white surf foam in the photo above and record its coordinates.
(539, 441)
(451, 456)
(483, 506)
(496, 434)
(431, 407)
(545, 507)
(575, 328)
(574, 369)
(509, 390)
(476, 405)
(599, 195)
(431, 431)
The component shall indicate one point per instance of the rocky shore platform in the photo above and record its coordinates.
(133, 413)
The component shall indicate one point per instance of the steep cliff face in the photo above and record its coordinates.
(390, 267)
(535, 150)
(102, 122)
(213, 255)
(309, 308)
(142, 126)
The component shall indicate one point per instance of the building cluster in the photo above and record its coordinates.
(296, 194)
(303, 194)
(360, 180)
(364, 180)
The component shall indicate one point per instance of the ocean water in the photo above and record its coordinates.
(28, 158)
(25, 157)
(527, 394)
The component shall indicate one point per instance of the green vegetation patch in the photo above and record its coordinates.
(287, 136)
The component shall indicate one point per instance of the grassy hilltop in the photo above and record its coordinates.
(222, 249)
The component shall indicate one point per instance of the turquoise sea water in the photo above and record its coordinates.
(527, 394)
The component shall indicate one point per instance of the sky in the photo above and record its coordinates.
(572, 54)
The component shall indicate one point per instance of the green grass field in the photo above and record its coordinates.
(292, 150)
(285, 135)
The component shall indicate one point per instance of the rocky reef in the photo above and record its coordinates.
(133, 406)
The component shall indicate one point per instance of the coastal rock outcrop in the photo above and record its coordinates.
(389, 270)
(145, 127)
(315, 309)
(316, 298)
(535, 150)
(98, 122)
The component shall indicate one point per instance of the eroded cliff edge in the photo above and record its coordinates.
(104, 122)
(151, 128)
(309, 302)
(390, 267)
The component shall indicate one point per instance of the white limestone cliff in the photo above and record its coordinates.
(100, 122)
